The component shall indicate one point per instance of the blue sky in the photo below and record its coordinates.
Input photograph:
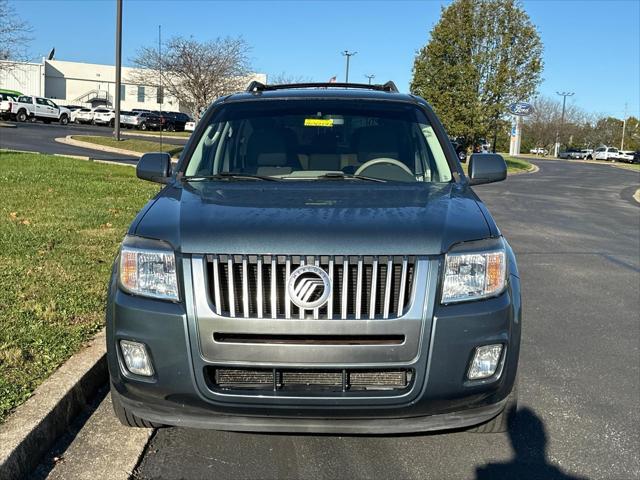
(591, 47)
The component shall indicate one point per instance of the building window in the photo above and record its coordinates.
(159, 95)
(141, 94)
(123, 91)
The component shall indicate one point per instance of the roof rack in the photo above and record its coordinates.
(256, 86)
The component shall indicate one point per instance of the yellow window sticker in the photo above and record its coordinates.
(318, 122)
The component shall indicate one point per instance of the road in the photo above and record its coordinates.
(576, 232)
(40, 137)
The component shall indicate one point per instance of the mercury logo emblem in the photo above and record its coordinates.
(309, 287)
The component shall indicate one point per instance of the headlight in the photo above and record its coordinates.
(148, 268)
(471, 276)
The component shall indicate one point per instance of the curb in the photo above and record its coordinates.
(76, 157)
(636, 196)
(534, 169)
(77, 143)
(34, 427)
(136, 134)
(9, 125)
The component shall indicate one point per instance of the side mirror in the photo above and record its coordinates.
(486, 168)
(155, 167)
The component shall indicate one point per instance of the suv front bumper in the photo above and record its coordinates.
(441, 397)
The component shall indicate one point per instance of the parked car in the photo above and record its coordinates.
(571, 153)
(584, 153)
(539, 151)
(603, 153)
(176, 121)
(129, 119)
(636, 157)
(317, 262)
(74, 109)
(625, 156)
(148, 121)
(84, 115)
(190, 126)
(6, 101)
(104, 116)
(27, 107)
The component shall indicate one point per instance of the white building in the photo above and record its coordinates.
(87, 84)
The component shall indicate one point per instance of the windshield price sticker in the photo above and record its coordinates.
(318, 122)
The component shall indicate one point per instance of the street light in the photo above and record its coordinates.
(348, 54)
(564, 96)
(370, 77)
(116, 120)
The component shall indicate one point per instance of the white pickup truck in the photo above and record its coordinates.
(37, 108)
(6, 101)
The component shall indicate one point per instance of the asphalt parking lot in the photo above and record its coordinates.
(40, 137)
(576, 231)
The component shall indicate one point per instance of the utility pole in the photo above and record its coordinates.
(564, 96)
(370, 77)
(159, 93)
(624, 127)
(116, 120)
(348, 54)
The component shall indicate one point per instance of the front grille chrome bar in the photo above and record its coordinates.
(363, 287)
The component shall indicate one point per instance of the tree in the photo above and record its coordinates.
(284, 78)
(482, 56)
(15, 36)
(195, 73)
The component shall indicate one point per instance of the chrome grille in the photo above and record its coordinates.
(363, 287)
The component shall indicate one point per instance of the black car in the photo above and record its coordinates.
(317, 261)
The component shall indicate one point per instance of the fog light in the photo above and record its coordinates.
(136, 358)
(485, 362)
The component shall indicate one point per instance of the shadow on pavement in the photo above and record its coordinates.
(528, 439)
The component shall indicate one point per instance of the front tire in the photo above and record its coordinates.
(64, 120)
(500, 423)
(127, 418)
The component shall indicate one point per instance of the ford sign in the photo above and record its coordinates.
(521, 108)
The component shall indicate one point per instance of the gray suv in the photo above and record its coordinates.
(317, 261)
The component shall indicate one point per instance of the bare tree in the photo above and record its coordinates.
(15, 36)
(284, 78)
(194, 72)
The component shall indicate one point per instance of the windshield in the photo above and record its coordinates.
(320, 139)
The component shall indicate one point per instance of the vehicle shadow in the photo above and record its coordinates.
(528, 439)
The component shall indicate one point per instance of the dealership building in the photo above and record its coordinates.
(86, 84)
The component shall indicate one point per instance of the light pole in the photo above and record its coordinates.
(564, 96)
(116, 120)
(348, 54)
(370, 77)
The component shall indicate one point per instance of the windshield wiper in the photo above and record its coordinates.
(230, 176)
(348, 176)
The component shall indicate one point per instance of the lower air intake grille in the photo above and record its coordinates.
(299, 380)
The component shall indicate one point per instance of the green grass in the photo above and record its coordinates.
(154, 132)
(133, 144)
(61, 221)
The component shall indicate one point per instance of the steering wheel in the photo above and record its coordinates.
(399, 171)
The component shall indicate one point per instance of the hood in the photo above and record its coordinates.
(313, 218)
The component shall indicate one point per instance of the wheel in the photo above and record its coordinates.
(127, 418)
(171, 127)
(589, 157)
(22, 116)
(112, 122)
(143, 126)
(500, 423)
(93, 122)
(64, 120)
